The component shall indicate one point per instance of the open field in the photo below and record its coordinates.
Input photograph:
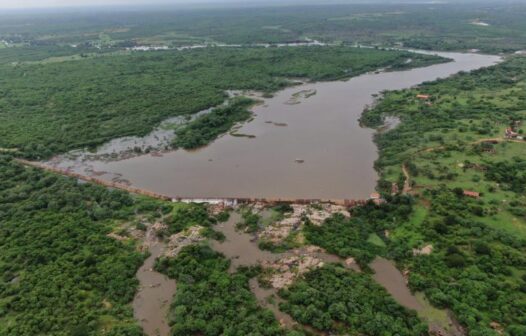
(451, 141)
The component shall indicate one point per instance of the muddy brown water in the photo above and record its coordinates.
(322, 132)
(242, 249)
(152, 301)
(387, 275)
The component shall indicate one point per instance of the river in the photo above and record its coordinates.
(308, 144)
(152, 301)
(242, 249)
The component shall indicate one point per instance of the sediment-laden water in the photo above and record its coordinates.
(308, 144)
(243, 250)
(152, 301)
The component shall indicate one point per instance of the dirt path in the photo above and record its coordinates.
(476, 142)
(407, 182)
(8, 150)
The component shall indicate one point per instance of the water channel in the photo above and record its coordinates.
(243, 250)
(308, 144)
(152, 301)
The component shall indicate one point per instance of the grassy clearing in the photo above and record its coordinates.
(375, 240)
(478, 243)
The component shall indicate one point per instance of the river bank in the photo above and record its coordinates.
(152, 301)
(316, 129)
(280, 270)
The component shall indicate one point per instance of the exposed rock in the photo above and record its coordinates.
(350, 261)
(187, 237)
(280, 230)
(116, 236)
(284, 271)
(497, 327)
(216, 209)
(426, 250)
(324, 211)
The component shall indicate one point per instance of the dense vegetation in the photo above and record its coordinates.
(452, 143)
(474, 269)
(210, 301)
(206, 128)
(456, 138)
(333, 298)
(492, 26)
(509, 174)
(68, 83)
(60, 274)
(351, 237)
(55, 107)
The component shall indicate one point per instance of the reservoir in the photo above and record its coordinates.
(307, 143)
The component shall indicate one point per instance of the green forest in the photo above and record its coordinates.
(210, 301)
(68, 258)
(208, 127)
(492, 26)
(338, 300)
(60, 272)
(454, 143)
(55, 107)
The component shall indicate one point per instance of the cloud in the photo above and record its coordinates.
(73, 3)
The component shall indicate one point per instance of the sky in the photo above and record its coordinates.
(72, 3)
(85, 3)
(20, 4)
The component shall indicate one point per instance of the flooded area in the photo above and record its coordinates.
(307, 42)
(311, 148)
(279, 270)
(387, 275)
(152, 301)
(243, 250)
(441, 321)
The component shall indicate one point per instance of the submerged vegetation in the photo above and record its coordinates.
(210, 301)
(208, 127)
(55, 107)
(339, 300)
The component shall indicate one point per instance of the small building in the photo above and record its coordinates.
(376, 198)
(423, 96)
(375, 195)
(394, 189)
(472, 194)
(510, 134)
